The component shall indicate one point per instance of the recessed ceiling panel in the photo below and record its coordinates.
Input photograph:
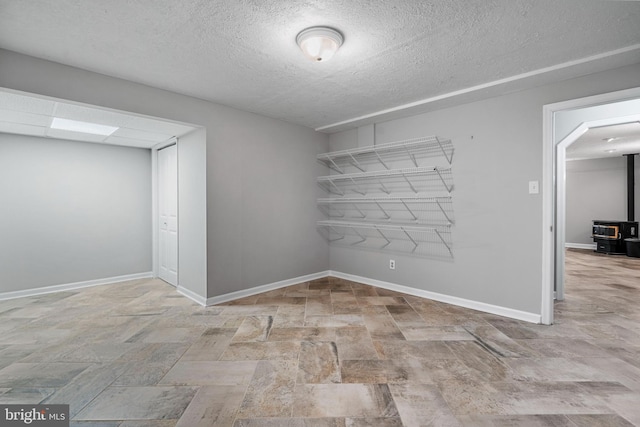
(74, 136)
(92, 115)
(26, 104)
(22, 129)
(24, 118)
(134, 130)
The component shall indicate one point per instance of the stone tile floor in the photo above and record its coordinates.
(328, 353)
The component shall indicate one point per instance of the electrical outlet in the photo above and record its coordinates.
(392, 264)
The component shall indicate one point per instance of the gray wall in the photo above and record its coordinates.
(72, 212)
(596, 189)
(260, 175)
(497, 236)
(192, 197)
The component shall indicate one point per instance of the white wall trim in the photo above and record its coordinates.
(474, 305)
(264, 288)
(154, 212)
(192, 295)
(592, 246)
(76, 285)
(548, 214)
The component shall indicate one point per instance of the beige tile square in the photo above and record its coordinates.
(285, 350)
(213, 406)
(318, 363)
(40, 374)
(210, 373)
(355, 343)
(254, 328)
(343, 400)
(422, 405)
(270, 392)
(139, 403)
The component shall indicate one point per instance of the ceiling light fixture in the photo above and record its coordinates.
(83, 127)
(610, 151)
(610, 139)
(319, 43)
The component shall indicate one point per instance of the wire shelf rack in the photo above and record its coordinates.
(415, 150)
(387, 209)
(390, 197)
(405, 181)
(397, 238)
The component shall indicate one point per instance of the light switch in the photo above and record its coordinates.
(534, 187)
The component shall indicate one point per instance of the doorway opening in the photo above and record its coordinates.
(136, 139)
(563, 124)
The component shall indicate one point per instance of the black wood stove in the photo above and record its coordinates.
(609, 235)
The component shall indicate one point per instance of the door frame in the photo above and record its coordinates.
(554, 187)
(155, 239)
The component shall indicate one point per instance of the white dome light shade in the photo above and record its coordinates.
(319, 43)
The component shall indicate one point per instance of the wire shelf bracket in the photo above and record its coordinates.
(364, 239)
(449, 188)
(443, 241)
(342, 236)
(444, 212)
(444, 152)
(386, 215)
(411, 238)
(384, 237)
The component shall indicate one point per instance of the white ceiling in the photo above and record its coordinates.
(242, 53)
(28, 115)
(593, 144)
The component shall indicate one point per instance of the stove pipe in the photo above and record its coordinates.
(631, 202)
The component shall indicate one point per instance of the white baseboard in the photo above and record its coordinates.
(264, 288)
(474, 305)
(590, 246)
(192, 295)
(76, 285)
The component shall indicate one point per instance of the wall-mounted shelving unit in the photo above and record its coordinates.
(410, 209)
(393, 197)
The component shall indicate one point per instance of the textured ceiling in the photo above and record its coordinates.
(594, 143)
(29, 115)
(242, 53)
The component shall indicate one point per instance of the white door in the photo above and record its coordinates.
(168, 214)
